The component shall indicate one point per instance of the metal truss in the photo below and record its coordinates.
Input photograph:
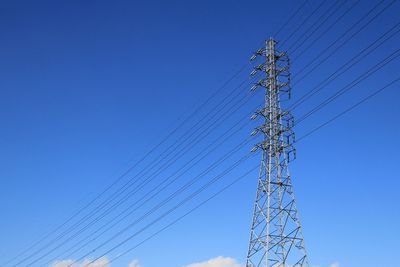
(276, 238)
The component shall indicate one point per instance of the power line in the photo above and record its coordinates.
(162, 203)
(349, 109)
(291, 17)
(187, 213)
(352, 84)
(208, 184)
(320, 21)
(343, 43)
(334, 23)
(218, 107)
(119, 178)
(349, 64)
(160, 186)
(319, 25)
(304, 21)
(178, 155)
(164, 155)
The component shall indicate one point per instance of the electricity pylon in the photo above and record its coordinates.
(276, 238)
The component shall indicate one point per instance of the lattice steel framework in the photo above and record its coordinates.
(276, 237)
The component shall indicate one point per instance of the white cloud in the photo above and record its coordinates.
(217, 262)
(134, 263)
(336, 264)
(102, 262)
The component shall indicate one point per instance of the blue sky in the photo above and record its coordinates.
(88, 87)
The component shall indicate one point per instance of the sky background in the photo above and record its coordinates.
(88, 87)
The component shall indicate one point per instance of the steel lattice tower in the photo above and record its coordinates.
(276, 237)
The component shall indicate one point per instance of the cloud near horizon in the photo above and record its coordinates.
(134, 263)
(217, 262)
(102, 262)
